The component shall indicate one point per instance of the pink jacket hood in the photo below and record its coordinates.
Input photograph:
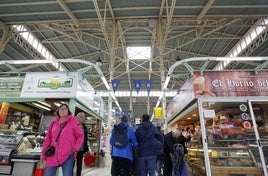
(71, 137)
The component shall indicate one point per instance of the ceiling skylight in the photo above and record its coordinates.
(139, 53)
(36, 44)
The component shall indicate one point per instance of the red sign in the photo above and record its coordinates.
(230, 83)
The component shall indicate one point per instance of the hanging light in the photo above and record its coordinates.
(99, 62)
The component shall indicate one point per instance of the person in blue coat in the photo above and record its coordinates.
(122, 157)
(150, 141)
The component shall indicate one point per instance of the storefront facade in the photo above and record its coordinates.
(232, 112)
(28, 102)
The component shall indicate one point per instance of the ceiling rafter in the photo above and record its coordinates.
(69, 12)
(80, 28)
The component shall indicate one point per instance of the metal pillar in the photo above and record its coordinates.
(107, 148)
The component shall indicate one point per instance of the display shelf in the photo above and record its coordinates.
(29, 147)
(199, 170)
(231, 157)
(93, 136)
(9, 139)
(228, 154)
(254, 151)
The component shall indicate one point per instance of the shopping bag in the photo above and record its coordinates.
(39, 171)
(89, 159)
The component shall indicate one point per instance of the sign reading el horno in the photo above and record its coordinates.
(230, 83)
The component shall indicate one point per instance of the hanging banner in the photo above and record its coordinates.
(115, 84)
(158, 112)
(117, 112)
(126, 112)
(137, 85)
(148, 84)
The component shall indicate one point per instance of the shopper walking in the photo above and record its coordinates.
(84, 148)
(150, 140)
(159, 157)
(122, 140)
(173, 153)
(66, 136)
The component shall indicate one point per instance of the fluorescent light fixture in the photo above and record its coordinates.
(96, 103)
(139, 53)
(112, 95)
(57, 104)
(105, 82)
(44, 103)
(166, 83)
(116, 102)
(41, 106)
(161, 95)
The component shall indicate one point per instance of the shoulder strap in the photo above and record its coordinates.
(50, 127)
(60, 131)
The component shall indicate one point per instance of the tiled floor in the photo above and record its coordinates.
(94, 171)
(103, 170)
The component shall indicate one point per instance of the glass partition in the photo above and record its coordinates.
(259, 147)
(230, 139)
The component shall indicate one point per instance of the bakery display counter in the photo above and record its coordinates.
(9, 139)
(29, 147)
(27, 154)
(225, 171)
(228, 155)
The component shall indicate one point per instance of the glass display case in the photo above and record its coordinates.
(9, 139)
(228, 131)
(27, 154)
(228, 153)
(29, 147)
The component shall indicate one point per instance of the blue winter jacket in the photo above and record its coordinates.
(150, 139)
(127, 151)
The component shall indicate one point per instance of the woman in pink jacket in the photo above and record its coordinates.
(66, 146)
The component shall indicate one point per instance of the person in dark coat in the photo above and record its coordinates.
(174, 142)
(159, 158)
(150, 140)
(84, 148)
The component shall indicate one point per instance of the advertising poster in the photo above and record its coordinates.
(50, 85)
(230, 83)
(11, 87)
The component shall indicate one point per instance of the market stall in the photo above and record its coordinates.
(32, 102)
(231, 109)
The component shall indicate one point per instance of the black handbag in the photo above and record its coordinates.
(51, 149)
